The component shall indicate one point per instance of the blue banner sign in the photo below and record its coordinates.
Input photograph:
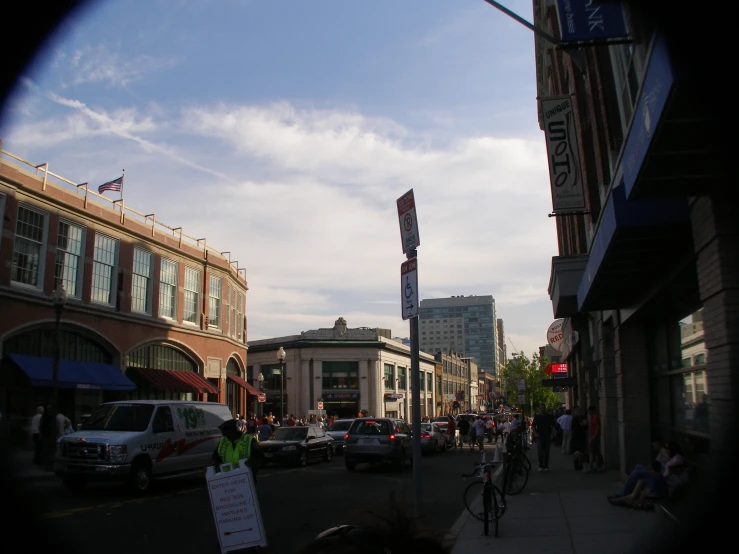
(590, 20)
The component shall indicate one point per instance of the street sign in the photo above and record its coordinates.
(320, 405)
(522, 399)
(521, 385)
(409, 288)
(408, 222)
(261, 397)
(235, 507)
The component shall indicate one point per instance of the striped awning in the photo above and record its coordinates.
(174, 381)
(243, 384)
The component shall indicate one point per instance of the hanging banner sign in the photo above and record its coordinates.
(565, 173)
(588, 20)
(555, 336)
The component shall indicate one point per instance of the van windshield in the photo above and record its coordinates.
(119, 417)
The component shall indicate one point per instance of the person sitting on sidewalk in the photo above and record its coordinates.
(658, 486)
(661, 457)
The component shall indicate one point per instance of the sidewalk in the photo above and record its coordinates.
(21, 462)
(560, 511)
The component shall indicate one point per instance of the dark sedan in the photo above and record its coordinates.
(337, 430)
(297, 445)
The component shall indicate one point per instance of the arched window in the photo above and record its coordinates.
(233, 391)
(74, 346)
(160, 356)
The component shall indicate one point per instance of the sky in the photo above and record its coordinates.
(283, 131)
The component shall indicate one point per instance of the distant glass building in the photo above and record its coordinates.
(466, 325)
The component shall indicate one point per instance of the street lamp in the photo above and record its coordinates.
(281, 357)
(260, 378)
(58, 300)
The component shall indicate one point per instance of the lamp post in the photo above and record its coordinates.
(58, 300)
(260, 378)
(281, 357)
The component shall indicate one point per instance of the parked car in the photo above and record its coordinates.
(139, 441)
(378, 439)
(297, 445)
(432, 438)
(337, 430)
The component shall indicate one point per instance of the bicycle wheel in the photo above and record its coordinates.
(487, 508)
(495, 511)
(526, 461)
(473, 499)
(516, 478)
(499, 503)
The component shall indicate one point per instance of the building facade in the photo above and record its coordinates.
(463, 324)
(652, 254)
(345, 371)
(500, 341)
(455, 385)
(142, 299)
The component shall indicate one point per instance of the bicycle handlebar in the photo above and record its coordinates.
(483, 466)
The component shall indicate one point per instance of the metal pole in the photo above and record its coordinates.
(282, 392)
(55, 383)
(546, 36)
(416, 412)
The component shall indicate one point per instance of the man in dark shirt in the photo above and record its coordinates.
(464, 430)
(542, 428)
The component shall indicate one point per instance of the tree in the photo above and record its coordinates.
(531, 370)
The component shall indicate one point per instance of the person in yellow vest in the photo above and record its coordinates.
(235, 445)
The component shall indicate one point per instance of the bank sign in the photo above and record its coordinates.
(565, 172)
(591, 20)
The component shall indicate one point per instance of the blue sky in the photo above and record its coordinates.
(283, 131)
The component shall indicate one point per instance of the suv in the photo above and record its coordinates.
(337, 430)
(378, 439)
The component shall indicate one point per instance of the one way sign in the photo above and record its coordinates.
(409, 288)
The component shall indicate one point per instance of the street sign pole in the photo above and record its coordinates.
(410, 300)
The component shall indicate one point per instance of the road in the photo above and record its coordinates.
(296, 505)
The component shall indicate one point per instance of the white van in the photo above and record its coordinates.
(141, 440)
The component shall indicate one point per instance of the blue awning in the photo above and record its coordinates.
(72, 375)
(637, 243)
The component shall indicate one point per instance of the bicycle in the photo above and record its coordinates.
(516, 468)
(492, 508)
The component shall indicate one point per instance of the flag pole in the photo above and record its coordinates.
(122, 176)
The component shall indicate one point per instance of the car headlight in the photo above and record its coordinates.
(117, 454)
(289, 448)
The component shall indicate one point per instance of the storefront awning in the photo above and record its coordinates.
(72, 375)
(636, 244)
(243, 384)
(174, 381)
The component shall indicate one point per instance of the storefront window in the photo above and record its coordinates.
(272, 377)
(389, 381)
(402, 379)
(340, 375)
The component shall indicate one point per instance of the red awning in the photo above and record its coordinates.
(174, 381)
(243, 384)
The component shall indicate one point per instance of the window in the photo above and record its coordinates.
(141, 282)
(240, 316)
(403, 382)
(389, 381)
(700, 359)
(214, 304)
(429, 382)
(422, 382)
(103, 269)
(162, 422)
(233, 391)
(68, 252)
(160, 356)
(168, 289)
(438, 384)
(192, 296)
(340, 375)
(272, 376)
(29, 243)
(234, 300)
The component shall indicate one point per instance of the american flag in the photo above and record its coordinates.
(116, 185)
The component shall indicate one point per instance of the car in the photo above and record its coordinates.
(432, 437)
(297, 445)
(336, 431)
(139, 441)
(378, 439)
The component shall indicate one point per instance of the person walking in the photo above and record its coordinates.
(478, 428)
(38, 445)
(565, 424)
(464, 431)
(594, 456)
(542, 430)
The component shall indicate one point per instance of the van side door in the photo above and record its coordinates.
(164, 444)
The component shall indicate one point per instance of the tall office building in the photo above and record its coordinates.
(465, 325)
(502, 354)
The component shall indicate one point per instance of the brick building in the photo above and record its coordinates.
(142, 298)
(651, 251)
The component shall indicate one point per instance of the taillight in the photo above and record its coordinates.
(346, 437)
(392, 437)
(425, 436)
